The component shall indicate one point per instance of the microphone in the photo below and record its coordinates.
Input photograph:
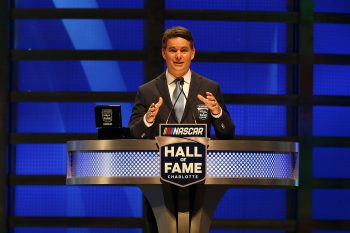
(182, 81)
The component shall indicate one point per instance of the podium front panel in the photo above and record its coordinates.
(230, 162)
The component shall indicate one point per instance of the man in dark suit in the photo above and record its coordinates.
(196, 98)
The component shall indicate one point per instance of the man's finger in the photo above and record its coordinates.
(160, 102)
(201, 98)
(158, 105)
(151, 108)
(210, 97)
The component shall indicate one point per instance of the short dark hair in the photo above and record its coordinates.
(177, 31)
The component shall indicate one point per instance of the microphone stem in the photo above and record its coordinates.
(182, 91)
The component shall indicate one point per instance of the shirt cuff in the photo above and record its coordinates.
(217, 115)
(146, 123)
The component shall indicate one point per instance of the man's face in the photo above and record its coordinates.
(178, 56)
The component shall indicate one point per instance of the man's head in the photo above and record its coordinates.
(178, 50)
(177, 31)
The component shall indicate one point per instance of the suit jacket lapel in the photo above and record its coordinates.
(192, 94)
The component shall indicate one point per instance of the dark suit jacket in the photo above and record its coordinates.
(150, 92)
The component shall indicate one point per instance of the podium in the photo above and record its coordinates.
(183, 210)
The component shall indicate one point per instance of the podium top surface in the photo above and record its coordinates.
(214, 145)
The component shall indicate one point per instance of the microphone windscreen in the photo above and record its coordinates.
(182, 81)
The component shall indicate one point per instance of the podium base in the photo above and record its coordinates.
(183, 210)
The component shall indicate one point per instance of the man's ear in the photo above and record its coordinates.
(163, 53)
(193, 53)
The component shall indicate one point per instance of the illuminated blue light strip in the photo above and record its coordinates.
(77, 29)
(220, 164)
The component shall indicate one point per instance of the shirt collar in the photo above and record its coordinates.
(170, 78)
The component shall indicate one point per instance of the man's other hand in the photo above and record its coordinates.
(153, 110)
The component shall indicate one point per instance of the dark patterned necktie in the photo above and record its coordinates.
(178, 99)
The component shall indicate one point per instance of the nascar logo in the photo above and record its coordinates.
(183, 131)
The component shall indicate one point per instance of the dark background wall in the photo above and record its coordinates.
(284, 68)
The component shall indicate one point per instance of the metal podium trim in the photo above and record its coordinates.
(156, 180)
(223, 145)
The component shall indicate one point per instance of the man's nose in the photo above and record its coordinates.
(178, 54)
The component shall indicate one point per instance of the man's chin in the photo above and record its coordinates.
(178, 68)
(178, 72)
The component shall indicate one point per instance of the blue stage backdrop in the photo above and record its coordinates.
(126, 76)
